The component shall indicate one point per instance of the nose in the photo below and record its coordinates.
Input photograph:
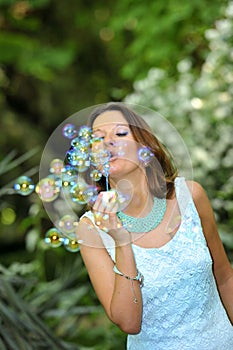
(108, 140)
(109, 143)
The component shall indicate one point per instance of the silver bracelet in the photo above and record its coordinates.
(139, 278)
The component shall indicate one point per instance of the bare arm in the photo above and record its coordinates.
(114, 291)
(222, 269)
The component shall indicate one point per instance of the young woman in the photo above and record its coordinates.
(155, 258)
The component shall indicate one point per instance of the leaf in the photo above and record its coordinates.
(20, 326)
(8, 163)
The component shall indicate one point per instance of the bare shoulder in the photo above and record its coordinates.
(196, 190)
(200, 199)
(204, 209)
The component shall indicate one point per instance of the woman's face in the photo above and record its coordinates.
(113, 129)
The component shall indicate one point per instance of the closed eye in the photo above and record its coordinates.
(121, 134)
(98, 136)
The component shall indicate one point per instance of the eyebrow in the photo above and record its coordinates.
(113, 127)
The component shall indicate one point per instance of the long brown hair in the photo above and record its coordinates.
(160, 179)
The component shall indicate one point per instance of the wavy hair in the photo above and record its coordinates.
(161, 170)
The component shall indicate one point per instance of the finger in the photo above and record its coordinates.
(115, 208)
(109, 206)
(103, 208)
(114, 222)
(98, 218)
(97, 202)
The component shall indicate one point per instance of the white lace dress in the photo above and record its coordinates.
(182, 309)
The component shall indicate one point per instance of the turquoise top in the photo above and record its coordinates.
(181, 304)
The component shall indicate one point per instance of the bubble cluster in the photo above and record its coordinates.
(55, 239)
(78, 163)
(75, 178)
(64, 181)
(85, 152)
(85, 133)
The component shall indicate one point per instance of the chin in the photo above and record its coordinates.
(113, 170)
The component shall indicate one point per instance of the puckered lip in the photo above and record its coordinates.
(114, 154)
(112, 158)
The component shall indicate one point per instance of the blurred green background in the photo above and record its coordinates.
(59, 57)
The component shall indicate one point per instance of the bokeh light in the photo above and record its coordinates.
(8, 216)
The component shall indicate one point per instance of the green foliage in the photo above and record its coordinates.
(29, 58)
(21, 328)
(201, 109)
(33, 308)
(9, 223)
(9, 162)
(57, 57)
(90, 53)
(45, 287)
(161, 33)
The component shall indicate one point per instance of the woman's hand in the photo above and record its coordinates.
(105, 214)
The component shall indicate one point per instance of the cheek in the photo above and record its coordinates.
(132, 156)
(125, 164)
(128, 150)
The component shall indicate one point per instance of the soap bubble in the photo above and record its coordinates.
(68, 181)
(69, 170)
(69, 131)
(110, 196)
(83, 148)
(100, 158)
(90, 194)
(77, 193)
(96, 144)
(105, 170)
(76, 158)
(24, 185)
(98, 154)
(67, 223)
(54, 238)
(115, 197)
(95, 174)
(81, 145)
(85, 132)
(47, 189)
(56, 179)
(75, 142)
(73, 156)
(56, 166)
(71, 244)
(82, 165)
(145, 155)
